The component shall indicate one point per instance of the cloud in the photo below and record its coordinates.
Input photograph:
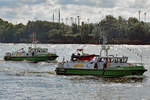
(19, 3)
(139, 4)
(9, 13)
(92, 3)
(8, 3)
(77, 2)
(107, 3)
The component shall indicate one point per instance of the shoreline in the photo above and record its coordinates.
(83, 43)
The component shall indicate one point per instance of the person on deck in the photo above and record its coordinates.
(105, 64)
(96, 65)
(33, 53)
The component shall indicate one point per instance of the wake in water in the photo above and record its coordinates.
(24, 68)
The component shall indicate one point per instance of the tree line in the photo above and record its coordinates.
(116, 30)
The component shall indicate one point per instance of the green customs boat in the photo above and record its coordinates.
(34, 55)
(105, 66)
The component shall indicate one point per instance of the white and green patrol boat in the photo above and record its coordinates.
(105, 66)
(33, 54)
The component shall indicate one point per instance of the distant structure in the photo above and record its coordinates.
(82, 23)
(59, 16)
(78, 18)
(53, 17)
(88, 20)
(145, 16)
(62, 20)
(75, 20)
(139, 14)
(66, 20)
(71, 20)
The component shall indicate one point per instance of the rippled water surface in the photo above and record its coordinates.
(38, 81)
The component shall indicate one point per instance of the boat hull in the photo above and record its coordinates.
(31, 58)
(109, 72)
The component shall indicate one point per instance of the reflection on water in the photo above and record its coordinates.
(132, 79)
(38, 81)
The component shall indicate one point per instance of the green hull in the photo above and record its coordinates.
(109, 72)
(31, 58)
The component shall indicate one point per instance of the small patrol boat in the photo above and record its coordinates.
(105, 66)
(34, 54)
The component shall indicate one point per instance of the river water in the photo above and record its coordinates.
(38, 81)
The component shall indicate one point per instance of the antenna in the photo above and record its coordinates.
(34, 39)
(105, 47)
(141, 59)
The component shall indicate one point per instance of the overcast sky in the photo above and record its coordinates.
(23, 10)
